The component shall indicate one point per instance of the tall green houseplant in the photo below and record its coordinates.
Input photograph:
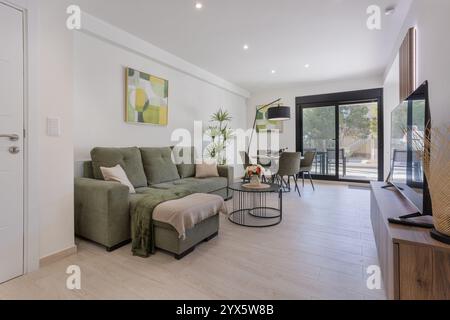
(220, 133)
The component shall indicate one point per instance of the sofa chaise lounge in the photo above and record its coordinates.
(102, 209)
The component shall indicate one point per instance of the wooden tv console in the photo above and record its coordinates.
(413, 265)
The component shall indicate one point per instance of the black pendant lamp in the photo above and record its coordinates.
(279, 113)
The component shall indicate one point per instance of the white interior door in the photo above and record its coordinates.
(11, 142)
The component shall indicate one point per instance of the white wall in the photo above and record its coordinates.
(55, 154)
(287, 138)
(431, 17)
(100, 95)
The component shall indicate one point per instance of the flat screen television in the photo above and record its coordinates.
(410, 122)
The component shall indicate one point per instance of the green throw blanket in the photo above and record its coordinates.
(142, 233)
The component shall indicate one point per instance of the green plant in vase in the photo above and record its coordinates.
(220, 133)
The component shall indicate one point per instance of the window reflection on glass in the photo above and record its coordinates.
(408, 130)
(358, 139)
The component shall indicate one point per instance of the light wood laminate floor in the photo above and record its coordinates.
(320, 251)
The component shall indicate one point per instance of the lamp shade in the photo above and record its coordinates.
(279, 113)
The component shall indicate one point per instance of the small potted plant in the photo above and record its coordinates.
(220, 133)
(254, 173)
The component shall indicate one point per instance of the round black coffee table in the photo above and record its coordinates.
(256, 208)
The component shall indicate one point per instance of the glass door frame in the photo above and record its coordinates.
(336, 100)
(324, 167)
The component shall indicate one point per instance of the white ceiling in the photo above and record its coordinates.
(283, 35)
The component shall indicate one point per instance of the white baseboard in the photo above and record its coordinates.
(57, 256)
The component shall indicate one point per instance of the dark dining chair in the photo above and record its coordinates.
(245, 159)
(245, 163)
(316, 160)
(264, 162)
(306, 166)
(288, 167)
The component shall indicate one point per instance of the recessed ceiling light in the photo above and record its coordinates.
(389, 11)
(246, 46)
(198, 5)
(307, 66)
(273, 71)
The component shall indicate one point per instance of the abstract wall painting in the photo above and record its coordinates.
(263, 124)
(147, 98)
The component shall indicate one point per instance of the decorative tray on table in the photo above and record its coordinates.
(256, 186)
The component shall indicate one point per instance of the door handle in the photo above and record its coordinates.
(14, 150)
(12, 137)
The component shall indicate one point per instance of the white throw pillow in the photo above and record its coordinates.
(117, 174)
(206, 170)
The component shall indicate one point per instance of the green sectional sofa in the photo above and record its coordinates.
(102, 209)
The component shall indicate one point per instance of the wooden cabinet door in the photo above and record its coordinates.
(441, 275)
(415, 272)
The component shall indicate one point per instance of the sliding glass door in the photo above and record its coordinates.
(319, 136)
(345, 135)
(358, 141)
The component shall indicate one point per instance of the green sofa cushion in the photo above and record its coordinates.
(196, 185)
(185, 170)
(128, 158)
(158, 165)
(145, 191)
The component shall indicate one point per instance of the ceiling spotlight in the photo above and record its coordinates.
(246, 46)
(389, 11)
(274, 71)
(198, 5)
(307, 66)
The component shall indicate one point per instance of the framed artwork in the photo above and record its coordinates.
(265, 125)
(147, 98)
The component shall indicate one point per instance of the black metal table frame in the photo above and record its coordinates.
(243, 197)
